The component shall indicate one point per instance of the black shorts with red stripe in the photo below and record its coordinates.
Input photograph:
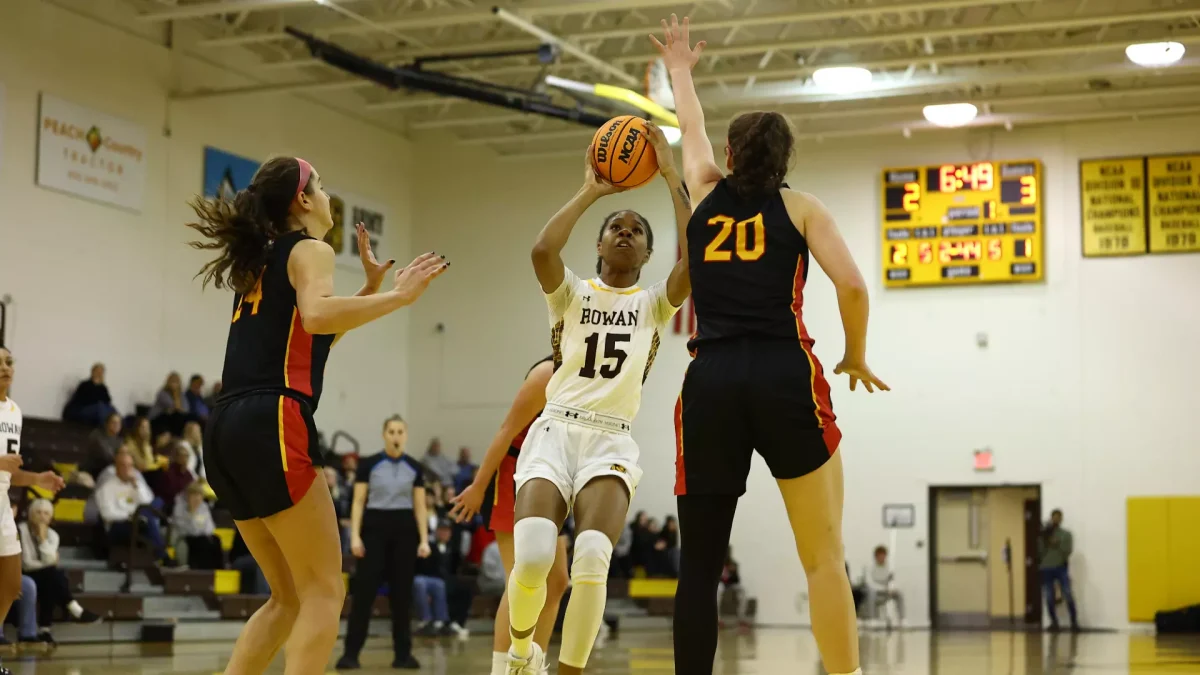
(746, 394)
(260, 450)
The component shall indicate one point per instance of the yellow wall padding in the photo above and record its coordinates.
(1163, 550)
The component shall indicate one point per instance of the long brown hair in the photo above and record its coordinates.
(761, 144)
(241, 229)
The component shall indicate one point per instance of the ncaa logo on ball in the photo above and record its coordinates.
(631, 139)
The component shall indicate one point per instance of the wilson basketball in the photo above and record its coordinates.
(622, 154)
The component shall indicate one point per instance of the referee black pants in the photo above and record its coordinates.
(390, 540)
(705, 523)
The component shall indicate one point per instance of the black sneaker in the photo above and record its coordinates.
(344, 663)
(406, 663)
(46, 636)
(89, 617)
(5, 671)
(427, 630)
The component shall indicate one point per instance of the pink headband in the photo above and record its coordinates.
(305, 174)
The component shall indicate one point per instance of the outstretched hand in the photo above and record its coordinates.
(676, 50)
(412, 281)
(372, 268)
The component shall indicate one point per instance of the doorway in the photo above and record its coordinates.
(983, 557)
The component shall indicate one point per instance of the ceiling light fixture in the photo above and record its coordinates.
(1155, 54)
(842, 78)
(951, 114)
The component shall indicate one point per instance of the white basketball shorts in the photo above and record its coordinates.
(570, 455)
(10, 538)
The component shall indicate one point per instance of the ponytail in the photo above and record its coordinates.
(242, 229)
(761, 144)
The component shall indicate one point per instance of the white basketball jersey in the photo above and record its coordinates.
(10, 437)
(604, 342)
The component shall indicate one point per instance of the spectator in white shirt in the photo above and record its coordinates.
(118, 499)
(880, 588)
(39, 560)
(192, 530)
(491, 571)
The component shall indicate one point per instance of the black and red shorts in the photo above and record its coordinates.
(259, 453)
(500, 501)
(745, 395)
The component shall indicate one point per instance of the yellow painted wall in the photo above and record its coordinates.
(1163, 549)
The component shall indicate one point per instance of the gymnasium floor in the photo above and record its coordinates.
(766, 652)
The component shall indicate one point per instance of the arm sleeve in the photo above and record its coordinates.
(560, 300)
(660, 304)
(363, 473)
(29, 554)
(418, 473)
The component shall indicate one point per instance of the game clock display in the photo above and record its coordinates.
(962, 224)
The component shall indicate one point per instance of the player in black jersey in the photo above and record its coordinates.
(755, 383)
(260, 443)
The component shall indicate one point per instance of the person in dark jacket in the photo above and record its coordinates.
(91, 403)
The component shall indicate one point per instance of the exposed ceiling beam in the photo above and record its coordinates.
(909, 108)
(257, 89)
(927, 34)
(1115, 46)
(567, 46)
(197, 10)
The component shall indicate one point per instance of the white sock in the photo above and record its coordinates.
(499, 663)
(589, 592)
(75, 610)
(535, 541)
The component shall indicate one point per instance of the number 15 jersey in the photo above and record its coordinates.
(604, 342)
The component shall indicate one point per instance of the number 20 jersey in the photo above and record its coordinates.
(604, 342)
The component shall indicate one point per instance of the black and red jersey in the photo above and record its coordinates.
(268, 348)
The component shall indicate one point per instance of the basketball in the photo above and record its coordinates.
(622, 154)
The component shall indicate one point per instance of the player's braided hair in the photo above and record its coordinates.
(242, 228)
(610, 217)
(761, 144)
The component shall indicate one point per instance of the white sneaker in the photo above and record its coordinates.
(534, 665)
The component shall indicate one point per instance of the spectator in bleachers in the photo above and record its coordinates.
(622, 567)
(670, 538)
(341, 505)
(213, 394)
(197, 407)
(24, 614)
(170, 410)
(91, 403)
(192, 531)
(139, 443)
(464, 471)
(253, 581)
(436, 586)
(103, 444)
(643, 540)
(193, 436)
(173, 480)
(491, 571)
(438, 464)
(731, 583)
(39, 560)
(118, 499)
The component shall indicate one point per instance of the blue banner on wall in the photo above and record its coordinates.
(226, 173)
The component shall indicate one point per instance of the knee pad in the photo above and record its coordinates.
(593, 554)
(535, 540)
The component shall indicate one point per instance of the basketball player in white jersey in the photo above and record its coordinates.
(579, 454)
(10, 475)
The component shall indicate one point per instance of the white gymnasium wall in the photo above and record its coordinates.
(1085, 387)
(94, 283)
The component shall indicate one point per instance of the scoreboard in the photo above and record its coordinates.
(1138, 205)
(956, 224)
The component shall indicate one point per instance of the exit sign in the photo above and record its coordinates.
(984, 460)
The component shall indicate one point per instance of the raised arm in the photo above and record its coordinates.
(700, 169)
(679, 282)
(816, 223)
(530, 400)
(310, 269)
(547, 248)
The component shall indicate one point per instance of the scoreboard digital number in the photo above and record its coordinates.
(962, 224)
(1138, 205)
